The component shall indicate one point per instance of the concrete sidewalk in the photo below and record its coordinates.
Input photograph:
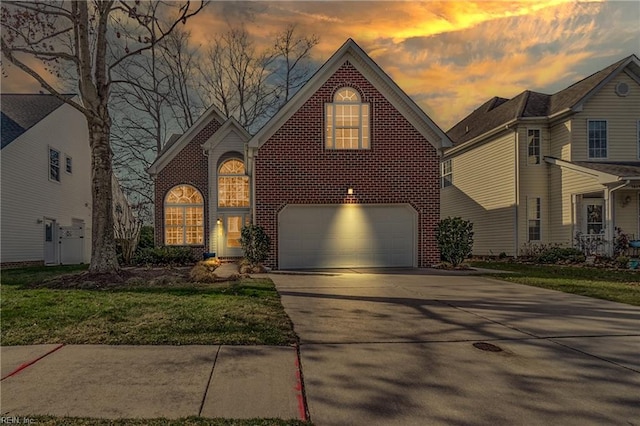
(151, 381)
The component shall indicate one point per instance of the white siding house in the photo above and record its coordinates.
(46, 182)
(550, 169)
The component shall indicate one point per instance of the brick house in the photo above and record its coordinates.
(346, 174)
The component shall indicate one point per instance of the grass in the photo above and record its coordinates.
(245, 312)
(615, 285)
(188, 421)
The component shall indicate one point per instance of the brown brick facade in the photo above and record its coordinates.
(189, 166)
(293, 167)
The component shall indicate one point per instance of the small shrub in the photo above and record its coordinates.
(455, 239)
(146, 238)
(502, 255)
(173, 256)
(622, 262)
(255, 244)
(620, 242)
(560, 255)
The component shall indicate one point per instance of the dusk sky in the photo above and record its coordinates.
(449, 57)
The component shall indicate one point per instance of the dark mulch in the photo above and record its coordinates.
(126, 277)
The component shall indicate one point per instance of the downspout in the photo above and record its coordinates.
(212, 224)
(609, 236)
(251, 154)
(516, 207)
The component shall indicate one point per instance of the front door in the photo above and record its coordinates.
(50, 242)
(232, 224)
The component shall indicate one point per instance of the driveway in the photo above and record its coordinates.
(399, 349)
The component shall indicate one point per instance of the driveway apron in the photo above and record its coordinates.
(399, 349)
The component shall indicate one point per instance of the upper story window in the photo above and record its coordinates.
(347, 121)
(233, 184)
(184, 216)
(54, 165)
(446, 174)
(533, 146)
(68, 164)
(597, 138)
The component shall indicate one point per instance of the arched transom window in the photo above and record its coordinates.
(347, 121)
(183, 216)
(233, 184)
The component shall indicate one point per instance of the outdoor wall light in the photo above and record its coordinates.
(38, 220)
(219, 221)
(350, 191)
(626, 201)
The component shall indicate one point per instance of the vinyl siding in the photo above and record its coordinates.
(622, 115)
(483, 192)
(626, 215)
(564, 183)
(27, 193)
(231, 145)
(533, 183)
(560, 140)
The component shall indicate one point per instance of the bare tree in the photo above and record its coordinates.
(161, 101)
(293, 53)
(251, 85)
(91, 38)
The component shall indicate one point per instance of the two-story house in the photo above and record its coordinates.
(46, 184)
(550, 169)
(344, 175)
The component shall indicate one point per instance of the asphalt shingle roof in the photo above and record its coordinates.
(20, 112)
(618, 168)
(499, 111)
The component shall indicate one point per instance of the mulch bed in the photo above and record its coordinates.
(126, 277)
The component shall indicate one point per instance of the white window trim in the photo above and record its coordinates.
(589, 120)
(333, 104)
(223, 175)
(443, 174)
(49, 149)
(539, 146)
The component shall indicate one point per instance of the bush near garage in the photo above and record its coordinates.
(455, 239)
(255, 244)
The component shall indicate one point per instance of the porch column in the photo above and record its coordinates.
(608, 215)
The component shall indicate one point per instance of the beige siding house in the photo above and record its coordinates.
(550, 169)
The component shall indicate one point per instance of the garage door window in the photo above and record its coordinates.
(347, 121)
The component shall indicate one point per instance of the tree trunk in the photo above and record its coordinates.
(103, 247)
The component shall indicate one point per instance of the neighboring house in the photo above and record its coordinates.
(344, 175)
(550, 169)
(46, 182)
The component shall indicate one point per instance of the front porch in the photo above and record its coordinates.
(606, 222)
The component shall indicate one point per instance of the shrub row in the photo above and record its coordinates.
(164, 256)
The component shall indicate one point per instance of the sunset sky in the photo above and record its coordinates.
(448, 56)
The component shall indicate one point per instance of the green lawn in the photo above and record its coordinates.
(616, 285)
(188, 421)
(245, 312)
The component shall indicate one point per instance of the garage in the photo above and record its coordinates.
(346, 236)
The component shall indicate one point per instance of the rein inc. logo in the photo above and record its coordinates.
(15, 420)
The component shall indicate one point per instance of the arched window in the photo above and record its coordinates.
(233, 184)
(183, 216)
(347, 121)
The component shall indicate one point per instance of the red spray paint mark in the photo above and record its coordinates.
(302, 411)
(27, 364)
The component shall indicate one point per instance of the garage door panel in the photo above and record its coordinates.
(334, 236)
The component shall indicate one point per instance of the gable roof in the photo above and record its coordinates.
(351, 52)
(229, 126)
(498, 112)
(176, 142)
(20, 112)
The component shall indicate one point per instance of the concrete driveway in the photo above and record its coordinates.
(398, 349)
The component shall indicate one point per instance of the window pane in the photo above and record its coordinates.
(233, 191)
(365, 125)
(54, 165)
(597, 134)
(234, 230)
(533, 137)
(232, 167)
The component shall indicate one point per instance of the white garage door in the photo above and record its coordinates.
(347, 235)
